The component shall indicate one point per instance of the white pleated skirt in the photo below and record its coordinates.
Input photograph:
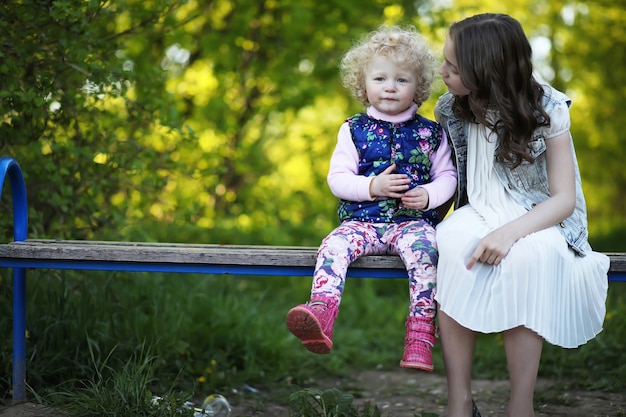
(541, 284)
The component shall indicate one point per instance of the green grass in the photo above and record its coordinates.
(328, 403)
(119, 389)
(105, 341)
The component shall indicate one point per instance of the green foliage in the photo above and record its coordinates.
(327, 403)
(137, 117)
(74, 117)
(120, 390)
(124, 115)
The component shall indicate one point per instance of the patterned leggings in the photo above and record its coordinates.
(414, 241)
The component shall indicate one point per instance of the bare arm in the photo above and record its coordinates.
(494, 247)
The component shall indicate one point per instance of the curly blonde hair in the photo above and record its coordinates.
(403, 46)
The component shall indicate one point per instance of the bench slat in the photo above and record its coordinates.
(202, 254)
(179, 253)
(618, 261)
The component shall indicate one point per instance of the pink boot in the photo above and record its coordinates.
(313, 323)
(418, 344)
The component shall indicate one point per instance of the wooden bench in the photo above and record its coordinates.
(23, 254)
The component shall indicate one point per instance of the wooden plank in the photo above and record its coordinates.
(618, 262)
(178, 253)
(204, 254)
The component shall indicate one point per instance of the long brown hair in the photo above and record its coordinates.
(494, 60)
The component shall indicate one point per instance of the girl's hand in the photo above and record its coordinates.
(492, 248)
(388, 184)
(416, 198)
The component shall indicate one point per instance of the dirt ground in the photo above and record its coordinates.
(406, 393)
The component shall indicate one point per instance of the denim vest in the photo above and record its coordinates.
(380, 144)
(528, 182)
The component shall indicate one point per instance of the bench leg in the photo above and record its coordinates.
(19, 335)
(20, 228)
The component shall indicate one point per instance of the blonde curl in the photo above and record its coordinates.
(403, 46)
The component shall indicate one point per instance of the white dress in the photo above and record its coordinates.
(541, 283)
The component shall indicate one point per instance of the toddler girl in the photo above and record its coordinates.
(392, 169)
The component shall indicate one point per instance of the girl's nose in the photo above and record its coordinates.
(390, 86)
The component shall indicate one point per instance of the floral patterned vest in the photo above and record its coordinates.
(380, 144)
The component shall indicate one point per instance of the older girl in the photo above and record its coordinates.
(513, 256)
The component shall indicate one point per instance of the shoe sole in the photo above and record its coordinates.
(415, 365)
(306, 327)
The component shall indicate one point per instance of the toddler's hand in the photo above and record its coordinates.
(388, 184)
(416, 199)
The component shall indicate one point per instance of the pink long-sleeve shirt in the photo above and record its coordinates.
(345, 183)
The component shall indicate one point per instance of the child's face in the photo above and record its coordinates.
(449, 70)
(390, 88)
